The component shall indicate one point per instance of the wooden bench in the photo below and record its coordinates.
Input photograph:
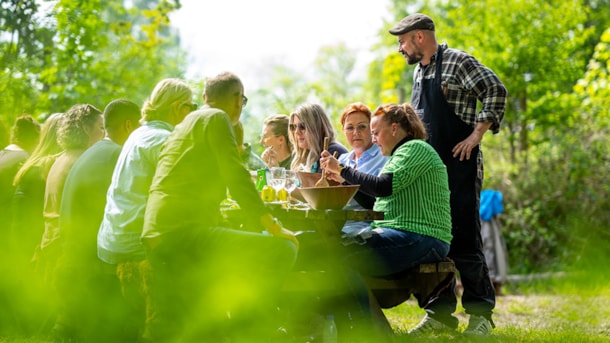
(424, 282)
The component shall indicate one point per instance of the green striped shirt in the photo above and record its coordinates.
(419, 201)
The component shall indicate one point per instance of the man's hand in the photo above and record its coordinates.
(287, 234)
(464, 148)
(275, 228)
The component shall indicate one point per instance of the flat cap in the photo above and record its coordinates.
(415, 21)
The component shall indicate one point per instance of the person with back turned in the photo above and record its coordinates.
(202, 270)
(118, 237)
(80, 215)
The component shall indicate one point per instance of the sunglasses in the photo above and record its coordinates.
(300, 127)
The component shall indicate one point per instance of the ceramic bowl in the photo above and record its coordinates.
(333, 197)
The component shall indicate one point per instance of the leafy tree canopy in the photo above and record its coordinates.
(58, 53)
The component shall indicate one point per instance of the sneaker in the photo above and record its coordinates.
(478, 326)
(428, 326)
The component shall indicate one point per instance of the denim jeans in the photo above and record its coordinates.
(389, 251)
(383, 253)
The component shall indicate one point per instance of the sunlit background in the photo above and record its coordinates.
(242, 35)
(550, 159)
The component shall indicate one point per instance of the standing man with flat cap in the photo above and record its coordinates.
(446, 86)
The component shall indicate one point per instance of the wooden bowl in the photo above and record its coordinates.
(309, 179)
(333, 197)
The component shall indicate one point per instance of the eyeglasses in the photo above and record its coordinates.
(300, 127)
(192, 107)
(244, 99)
(360, 128)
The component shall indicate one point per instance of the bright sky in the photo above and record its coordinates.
(242, 36)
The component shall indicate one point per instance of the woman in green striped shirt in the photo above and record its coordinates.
(411, 190)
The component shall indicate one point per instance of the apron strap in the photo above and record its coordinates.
(439, 66)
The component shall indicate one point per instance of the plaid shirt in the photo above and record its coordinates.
(464, 80)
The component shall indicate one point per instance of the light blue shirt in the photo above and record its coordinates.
(119, 236)
(370, 162)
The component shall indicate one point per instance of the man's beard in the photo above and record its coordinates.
(413, 59)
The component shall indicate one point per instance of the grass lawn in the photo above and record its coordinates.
(571, 309)
(551, 311)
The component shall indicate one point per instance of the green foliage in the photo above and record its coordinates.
(333, 87)
(83, 51)
(550, 159)
(19, 41)
(566, 179)
(285, 89)
(127, 61)
(571, 306)
(569, 317)
(594, 87)
(393, 78)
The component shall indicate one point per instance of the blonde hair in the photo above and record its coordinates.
(317, 126)
(166, 93)
(47, 146)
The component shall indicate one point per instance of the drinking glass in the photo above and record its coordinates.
(290, 184)
(276, 178)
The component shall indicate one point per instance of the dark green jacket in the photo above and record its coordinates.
(198, 163)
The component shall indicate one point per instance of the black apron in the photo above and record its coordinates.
(445, 129)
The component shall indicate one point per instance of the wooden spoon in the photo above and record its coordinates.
(323, 182)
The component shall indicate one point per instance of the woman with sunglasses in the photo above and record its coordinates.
(309, 125)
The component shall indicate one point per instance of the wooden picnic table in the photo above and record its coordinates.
(319, 232)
